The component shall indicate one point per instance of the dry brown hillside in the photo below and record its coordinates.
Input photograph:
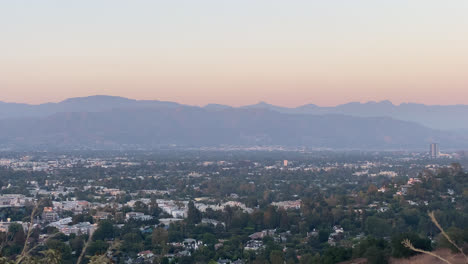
(426, 259)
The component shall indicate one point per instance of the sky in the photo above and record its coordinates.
(238, 52)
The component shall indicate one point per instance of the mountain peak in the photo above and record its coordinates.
(217, 106)
(97, 99)
(384, 102)
(307, 106)
(263, 103)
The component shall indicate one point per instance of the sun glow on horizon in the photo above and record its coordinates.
(236, 53)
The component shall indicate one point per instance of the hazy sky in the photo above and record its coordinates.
(236, 52)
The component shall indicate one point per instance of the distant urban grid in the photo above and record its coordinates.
(236, 206)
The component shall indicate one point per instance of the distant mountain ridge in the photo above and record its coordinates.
(443, 117)
(148, 128)
(450, 117)
(106, 122)
(94, 103)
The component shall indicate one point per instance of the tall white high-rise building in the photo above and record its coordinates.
(434, 150)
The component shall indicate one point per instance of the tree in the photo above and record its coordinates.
(271, 217)
(140, 207)
(153, 207)
(82, 218)
(101, 259)
(97, 247)
(309, 259)
(132, 243)
(104, 231)
(76, 244)
(193, 215)
(209, 239)
(375, 255)
(335, 255)
(407, 243)
(276, 257)
(372, 189)
(17, 233)
(164, 260)
(290, 255)
(4, 260)
(323, 236)
(59, 246)
(459, 236)
(159, 236)
(399, 250)
(377, 226)
(51, 257)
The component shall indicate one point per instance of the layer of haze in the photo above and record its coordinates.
(235, 52)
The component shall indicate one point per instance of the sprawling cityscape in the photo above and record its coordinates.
(231, 206)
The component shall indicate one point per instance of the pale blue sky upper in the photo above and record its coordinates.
(232, 40)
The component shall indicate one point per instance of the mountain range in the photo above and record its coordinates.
(108, 122)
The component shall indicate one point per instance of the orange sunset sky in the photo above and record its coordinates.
(235, 52)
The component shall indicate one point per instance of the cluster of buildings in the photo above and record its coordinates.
(14, 200)
(64, 226)
(404, 188)
(336, 236)
(137, 216)
(256, 239)
(73, 206)
(48, 164)
(5, 225)
(286, 205)
(220, 207)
